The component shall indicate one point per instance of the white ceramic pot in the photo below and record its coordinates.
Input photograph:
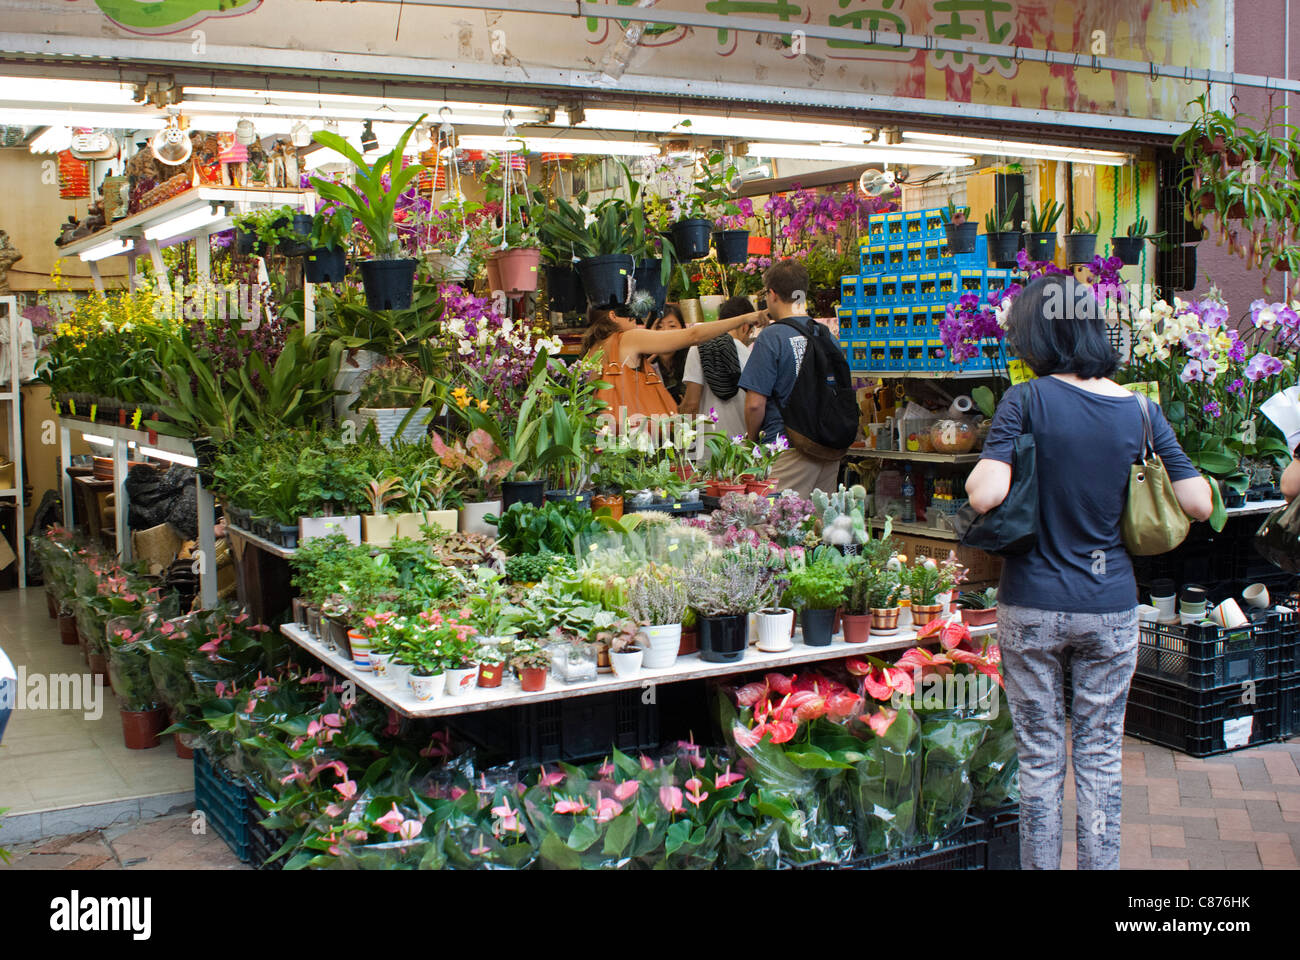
(663, 643)
(946, 600)
(425, 689)
(626, 664)
(472, 514)
(399, 673)
(775, 629)
(379, 529)
(309, 528)
(461, 682)
(388, 419)
(379, 664)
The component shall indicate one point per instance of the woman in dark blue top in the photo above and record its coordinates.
(1072, 599)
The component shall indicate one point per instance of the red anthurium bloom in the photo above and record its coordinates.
(726, 779)
(881, 683)
(809, 708)
(347, 789)
(859, 668)
(607, 808)
(671, 798)
(780, 683)
(294, 774)
(980, 663)
(458, 792)
(627, 789)
(925, 661)
(746, 737)
(693, 791)
(751, 693)
(571, 806)
(843, 703)
(390, 822)
(881, 721)
(334, 810)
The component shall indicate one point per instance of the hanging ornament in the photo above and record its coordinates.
(300, 135)
(74, 177)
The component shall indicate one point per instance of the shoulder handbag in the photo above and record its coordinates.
(1153, 521)
(1011, 528)
(637, 389)
(1278, 538)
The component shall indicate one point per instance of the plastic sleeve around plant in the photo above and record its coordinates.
(949, 741)
(995, 768)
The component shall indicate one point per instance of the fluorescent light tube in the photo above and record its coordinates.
(180, 458)
(184, 223)
(97, 440)
(808, 151)
(52, 140)
(109, 248)
(613, 148)
(750, 128)
(1012, 148)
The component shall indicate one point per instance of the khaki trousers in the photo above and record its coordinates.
(796, 471)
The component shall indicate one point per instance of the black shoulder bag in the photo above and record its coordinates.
(1011, 528)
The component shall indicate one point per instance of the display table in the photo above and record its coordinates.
(689, 667)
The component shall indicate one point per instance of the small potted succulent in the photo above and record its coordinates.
(1081, 242)
(863, 574)
(925, 581)
(1000, 229)
(882, 597)
(1040, 235)
(626, 647)
(532, 661)
(1129, 247)
(818, 588)
(978, 607)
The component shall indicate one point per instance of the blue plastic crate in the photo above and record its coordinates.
(900, 321)
(845, 318)
(914, 225)
(882, 319)
(914, 255)
(868, 290)
(876, 228)
(896, 257)
(971, 280)
(927, 287)
(887, 288)
(934, 224)
(897, 353)
(909, 288)
(895, 228)
(979, 257)
(849, 288)
(224, 801)
(920, 322)
(947, 286)
(933, 248)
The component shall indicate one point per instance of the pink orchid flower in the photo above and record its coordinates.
(392, 821)
(671, 798)
(693, 791)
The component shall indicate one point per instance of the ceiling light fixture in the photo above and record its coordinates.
(52, 140)
(109, 248)
(710, 125)
(1012, 148)
(185, 223)
(613, 148)
(852, 155)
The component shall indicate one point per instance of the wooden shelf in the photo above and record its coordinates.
(915, 529)
(917, 456)
(689, 667)
(274, 549)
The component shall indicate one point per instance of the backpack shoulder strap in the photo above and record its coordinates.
(809, 331)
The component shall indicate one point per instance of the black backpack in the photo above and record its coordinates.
(821, 414)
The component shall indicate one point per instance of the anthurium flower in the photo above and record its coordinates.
(979, 663)
(726, 778)
(392, 821)
(507, 818)
(807, 705)
(671, 798)
(881, 683)
(347, 789)
(881, 721)
(647, 763)
(842, 703)
(780, 683)
(410, 829)
(317, 677)
(607, 808)
(606, 769)
(550, 779)
(626, 789)
(925, 661)
(694, 793)
(571, 806)
(746, 737)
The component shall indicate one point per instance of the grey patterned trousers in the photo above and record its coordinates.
(1101, 650)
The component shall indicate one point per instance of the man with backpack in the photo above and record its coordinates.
(799, 387)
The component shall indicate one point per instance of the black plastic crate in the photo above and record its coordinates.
(1288, 698)
(1288, 644)
(584, 728)
(1002, 834)
(963, 849)
(1204, 656)
(224, 801)
(1203, 723)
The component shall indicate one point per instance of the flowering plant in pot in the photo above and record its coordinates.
(143, 718)
(724, 589)
(729, 459)
(818, 589)
(657, 598)
(926, 580)
(531, 659)
(513, 249)
(491, 661)
(389, 277)
(960, 231)
(761, 458)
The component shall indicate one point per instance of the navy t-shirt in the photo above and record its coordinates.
(1086, 443)
(773, 368)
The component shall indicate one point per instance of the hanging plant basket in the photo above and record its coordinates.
(388, 283)
(301, 227)
(691, 238)
(1128, 249)
(606, 279)
(1003, 247)
(961, 237)
(516, 270)
(1041, 247)
(564, 286)
(447, 267)
(1080, 247)
(732, 245)
(324, 265)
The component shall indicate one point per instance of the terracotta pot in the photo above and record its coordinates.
(99, 665)
(140, 728)
(690, 641)
(884, 620)
(489, 674)
(68, 629)
(835, 621)
(51, 606)
(533, 679)
(518, 269)
(978, 618)
(726, 488)
(183, 750)
(760, 487)
(923, 613)
(615, 504)
(857, 627)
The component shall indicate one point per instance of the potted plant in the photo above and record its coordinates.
(143, 718)
(960, 231)
(432, 500)
(386, 401)
(511, 264)
(869, 583)
(626, 647)
(979, 607)
(600, 240)
(388, 277)
(479, 462)
(883, 589)
(458, 654)
(1081, 242)
(326, 260)
(818, 588)
(925, 581)
(724, 588)
(1003, 237)
(729, 460)
(657, 598)
(261, 230)
(1040, 237)
(1129, 247)
(775, 626)
(379, 525)
(427, 674)
(761, 458)
(533, 662)
(491, 661)
(449, 254)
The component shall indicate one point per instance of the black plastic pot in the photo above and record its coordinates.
(961, 237)
(565, 496)
(1080, 247)
(816, 625)
(1128, 249)
(521, 491)
(732, 245)
(324, 265)
(565, 288)
(205, 456)
(1041, 247)
(605, 279)
(647, 276)
(246, 243)
(1003, 247)
(723, 639)
(302, 228)
(388, 283)
(691, 238)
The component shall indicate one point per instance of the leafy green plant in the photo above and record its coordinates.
(979, 599)
(1137, 228)
(819, 585)
(551, 528)
(331, 230)
(926, 579)
(532, 567)
(270, 224)
(1044, 220)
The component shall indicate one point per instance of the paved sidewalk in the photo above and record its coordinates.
(167, 843)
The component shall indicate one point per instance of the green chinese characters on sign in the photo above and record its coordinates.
(884, 16)
(973, 21)
(782, 10)
(170, 16)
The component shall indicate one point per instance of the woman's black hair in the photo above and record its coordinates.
(1057, 325)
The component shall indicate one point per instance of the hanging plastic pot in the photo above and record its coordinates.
(1128, 249)
(388, 283)
(961, 237)
(1003, 247)
(1041, 247)
(565, 288)
(691, 238)
(1080, 247)
(246, 243)
(648, 276)
(732, 245)
(606, 279)
(517, 270)
(302, 223)
(324, 265)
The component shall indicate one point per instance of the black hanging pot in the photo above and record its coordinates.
(324, 265)
(648, 275)
(1128, 249)
(605, 279)
(732, 245)
(246, 243)
(302, 229)
(1041, 247)
(961, 237)
(723, 639)
(388, 283)
(205, 455)
(522, 491)
(1080, 247)
(1003, 247)
(816, 626)
(565, 288)
(691, 238)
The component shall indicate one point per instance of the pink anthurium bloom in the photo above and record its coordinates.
(751, 693)
(317, 677)
(482, 847)
(458, 792)
(347, 789)
(410, 829)
(671, 798)
(338, 766)
(606, 769)
(980, 663)
(881, 721)
(694, 793)
(745, 737)
(627, 789)
(332, 720)
(607, 808)
(392, 821)
(334, 810)
(647, 763)
(571, 806)
(294, 774)
(550, 779)
(509, 818)
(727, 778)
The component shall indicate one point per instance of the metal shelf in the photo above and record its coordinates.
(919, 457)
